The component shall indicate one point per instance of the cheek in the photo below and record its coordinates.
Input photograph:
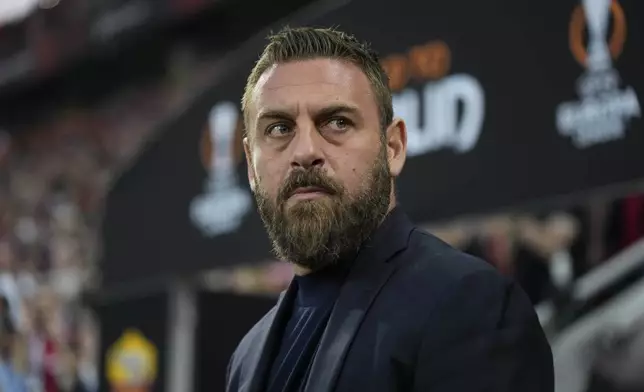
(357, 159)
(269, 175)
(354, 171)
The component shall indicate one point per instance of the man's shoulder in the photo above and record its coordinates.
(431, 253)
(455, 286)
(435, 266)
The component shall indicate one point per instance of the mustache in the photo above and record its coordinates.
(308, 178)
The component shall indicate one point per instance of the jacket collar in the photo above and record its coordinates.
(370, 271)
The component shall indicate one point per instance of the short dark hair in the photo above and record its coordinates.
(303, 43)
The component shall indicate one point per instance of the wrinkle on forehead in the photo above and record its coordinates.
(331, 71)
(273, 88)
(330, 80)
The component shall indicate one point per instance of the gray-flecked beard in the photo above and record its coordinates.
(323, 231)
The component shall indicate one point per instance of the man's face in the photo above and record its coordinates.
(318, 162)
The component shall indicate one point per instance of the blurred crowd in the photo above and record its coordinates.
(54, 176)
(547, 251)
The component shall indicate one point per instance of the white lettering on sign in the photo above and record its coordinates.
(448, 113)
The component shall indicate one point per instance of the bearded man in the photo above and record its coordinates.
(376, 304)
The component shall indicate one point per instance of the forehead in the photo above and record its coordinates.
(313, 84)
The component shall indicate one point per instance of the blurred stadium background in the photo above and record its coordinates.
(131, 256)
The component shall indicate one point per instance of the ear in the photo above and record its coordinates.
(396, 139)
(249, 165)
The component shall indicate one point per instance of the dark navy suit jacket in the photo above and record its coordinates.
(413, 315)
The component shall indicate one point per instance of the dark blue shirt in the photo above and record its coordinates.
(316, 295)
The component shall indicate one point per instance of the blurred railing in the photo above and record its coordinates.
(598, 340)
(595, 287)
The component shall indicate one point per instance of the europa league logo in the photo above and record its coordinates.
(604, 108)
(224, 204)
(597, 16)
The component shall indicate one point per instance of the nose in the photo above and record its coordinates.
(306, 149)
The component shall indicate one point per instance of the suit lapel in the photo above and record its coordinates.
(261, 357)
(370, 272)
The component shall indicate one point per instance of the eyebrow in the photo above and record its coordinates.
(325, 112)
(333, 110)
